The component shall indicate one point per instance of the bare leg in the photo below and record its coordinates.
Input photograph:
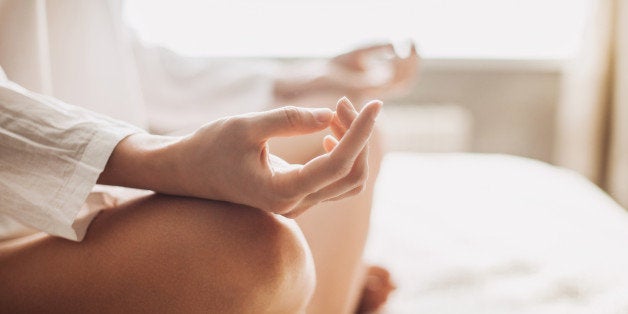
(163, 254)
(335, 231)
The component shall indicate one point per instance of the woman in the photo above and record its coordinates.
(155, 252)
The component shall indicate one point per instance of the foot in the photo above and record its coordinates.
(377, 288)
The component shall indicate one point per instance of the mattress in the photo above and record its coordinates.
(472, 233)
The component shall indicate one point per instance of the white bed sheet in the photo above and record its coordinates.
(468, 233)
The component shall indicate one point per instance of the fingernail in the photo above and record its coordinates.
(344, 100)
(378, 107)
(322, 115)
(346, 105)
(376, 103)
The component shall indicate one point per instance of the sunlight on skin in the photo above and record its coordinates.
(245, 173)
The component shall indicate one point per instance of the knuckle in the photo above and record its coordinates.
(357, 177)
(233, 122)
(293, 115)
(236, 125)
(364, 175)
(359, 189)
(355, 191)
(340, 168)
(281, 205)
(296, 212)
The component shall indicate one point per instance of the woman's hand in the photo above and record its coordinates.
(229, 159)
(373, 71)
(368, 72)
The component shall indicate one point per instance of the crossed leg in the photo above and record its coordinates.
(163, 254)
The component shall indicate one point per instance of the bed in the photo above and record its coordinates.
(472, 233)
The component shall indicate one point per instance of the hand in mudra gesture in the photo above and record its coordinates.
(373, 71)
(355, 73)
(229, 159)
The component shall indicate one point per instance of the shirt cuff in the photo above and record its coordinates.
(70, 199)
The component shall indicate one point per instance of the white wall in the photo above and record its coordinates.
(512, 103)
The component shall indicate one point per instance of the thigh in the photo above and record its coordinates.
(153, 254)
(337, 232)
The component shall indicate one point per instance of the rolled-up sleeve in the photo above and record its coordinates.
(51, 155)
(197, 90)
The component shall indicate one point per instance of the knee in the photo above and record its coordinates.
(273, 261)
(240, 258)
(279, 264)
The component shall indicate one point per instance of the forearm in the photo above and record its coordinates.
(300, 78)
(142, 161)
(228, 159)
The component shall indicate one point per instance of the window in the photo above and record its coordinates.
(504, 29)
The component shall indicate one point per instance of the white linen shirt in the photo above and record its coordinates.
(79, 52)
(51, 155)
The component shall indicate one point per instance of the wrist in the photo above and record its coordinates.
(301, 78)
(142, 161)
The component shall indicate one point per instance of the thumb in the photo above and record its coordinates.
(290, 121)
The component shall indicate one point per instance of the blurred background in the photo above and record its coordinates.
(490, 78)
(542, 79)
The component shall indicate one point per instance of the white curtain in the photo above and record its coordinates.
(592, 126)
